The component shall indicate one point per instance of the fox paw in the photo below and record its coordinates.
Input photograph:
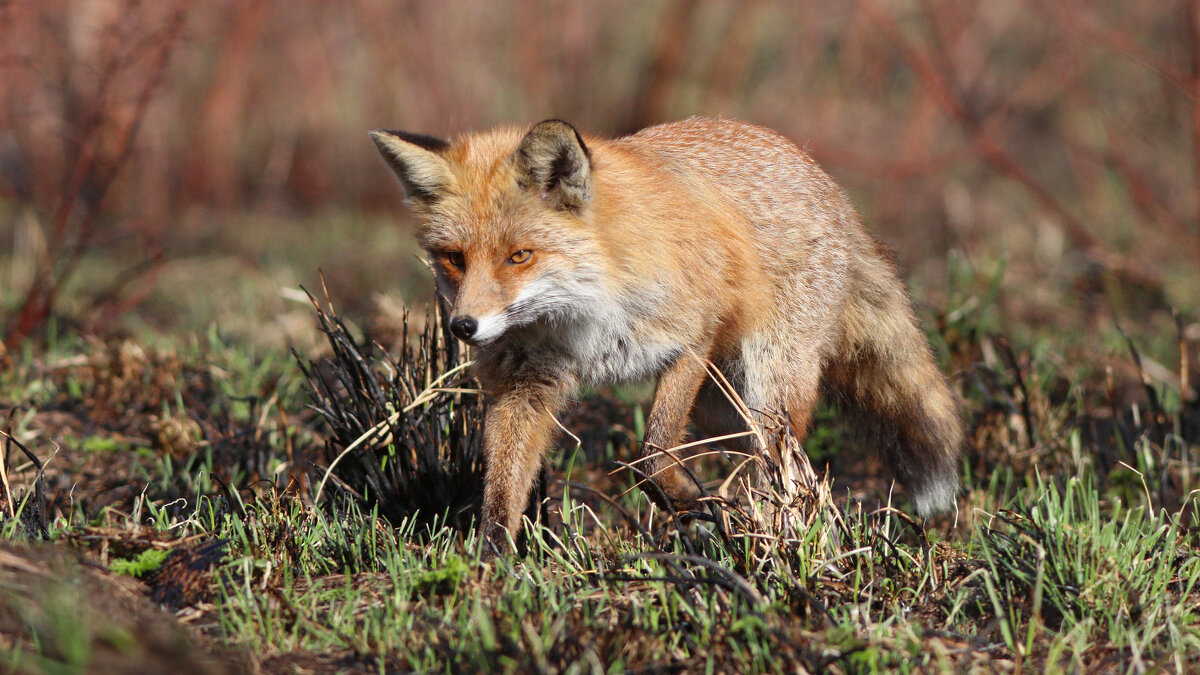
(678, 497)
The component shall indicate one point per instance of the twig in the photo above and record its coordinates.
(1185, 388)
(8, 496)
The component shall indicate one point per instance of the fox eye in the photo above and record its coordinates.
(456, 258)
(520, 257)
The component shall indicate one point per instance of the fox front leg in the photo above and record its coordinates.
(673, 401)
(518, 429)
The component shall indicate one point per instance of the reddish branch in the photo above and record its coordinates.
(1193, 15)
(945, 94)
(62, 257)
(1078, 20)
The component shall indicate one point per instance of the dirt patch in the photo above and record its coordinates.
(119, 413)
(59, 609)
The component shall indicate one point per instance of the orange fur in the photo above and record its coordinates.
(572, 260)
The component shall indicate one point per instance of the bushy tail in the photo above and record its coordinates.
(885, 370)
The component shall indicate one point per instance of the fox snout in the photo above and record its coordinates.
(463, 327)
(479, 330)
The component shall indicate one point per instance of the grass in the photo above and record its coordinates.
(1067, 568)
(194, 469)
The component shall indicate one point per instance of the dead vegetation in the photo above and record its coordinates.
(405, 430)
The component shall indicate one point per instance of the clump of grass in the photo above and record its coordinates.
(1081, 572)
(125, 422)
(143, 564)
(24, 510)
(405, 431)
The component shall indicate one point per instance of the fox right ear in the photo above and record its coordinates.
(418, 162)
(554, 160)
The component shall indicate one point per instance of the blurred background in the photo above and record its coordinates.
(171, 166)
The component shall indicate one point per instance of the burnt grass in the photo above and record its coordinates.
(150, 497)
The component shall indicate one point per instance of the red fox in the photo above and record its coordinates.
(568, 261)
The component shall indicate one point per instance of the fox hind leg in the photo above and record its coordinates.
(771, 377)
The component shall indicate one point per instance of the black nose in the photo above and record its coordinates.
(463, 327)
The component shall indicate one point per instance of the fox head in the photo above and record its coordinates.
(505, 220)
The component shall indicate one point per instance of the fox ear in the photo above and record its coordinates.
(417, 160)
(553, 159)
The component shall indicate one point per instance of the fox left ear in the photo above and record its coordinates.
(553, 159)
